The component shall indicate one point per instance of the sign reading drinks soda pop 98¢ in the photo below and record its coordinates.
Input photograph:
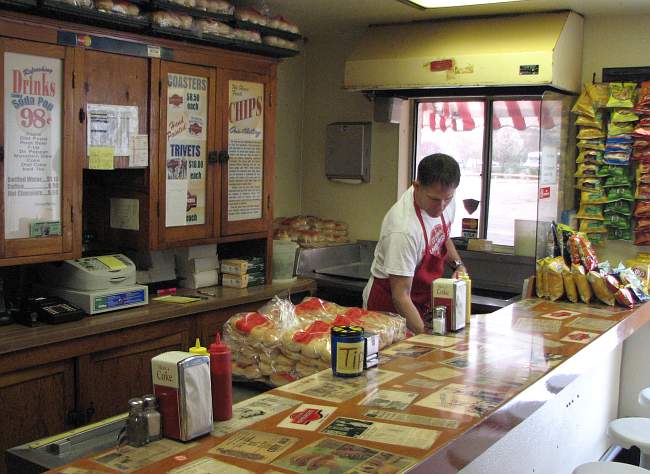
(32, 137)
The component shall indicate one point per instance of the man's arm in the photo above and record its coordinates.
(452, 256)
(400, 289)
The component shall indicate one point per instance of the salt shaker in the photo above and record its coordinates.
(136, 424)
(152, 417)
(439, 322)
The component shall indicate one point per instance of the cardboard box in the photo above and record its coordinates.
(452, 294)
(234, 266)
(196, 265)
(234, 281)
(197, 251)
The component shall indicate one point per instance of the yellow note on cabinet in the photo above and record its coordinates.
(100, 157)
(111, 262)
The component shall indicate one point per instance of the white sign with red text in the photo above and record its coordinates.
(32, 137)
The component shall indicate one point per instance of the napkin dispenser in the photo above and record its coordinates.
(452, 294)
(181, 381)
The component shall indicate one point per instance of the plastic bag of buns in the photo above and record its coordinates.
(280, 342)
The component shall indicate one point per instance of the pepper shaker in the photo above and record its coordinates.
(136, 424)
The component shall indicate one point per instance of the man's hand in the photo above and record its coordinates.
(400, 289)
(461, 270)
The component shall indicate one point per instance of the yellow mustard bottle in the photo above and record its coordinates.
(468, 302)
(198, 349)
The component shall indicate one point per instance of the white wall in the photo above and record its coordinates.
(288, 130)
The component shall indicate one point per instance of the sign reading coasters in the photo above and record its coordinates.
(347, 350)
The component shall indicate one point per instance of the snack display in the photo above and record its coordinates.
(575, 272)
(281, 342)
(607, 127)
(310, 231)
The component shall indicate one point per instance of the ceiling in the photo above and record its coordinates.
(318, 17)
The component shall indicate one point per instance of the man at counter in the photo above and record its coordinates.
(414, 244)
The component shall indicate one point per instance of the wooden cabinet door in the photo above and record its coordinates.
(121, 369)
(188, 172)
(125, 81)
(248, 137)
(34, 403)
(39, 175)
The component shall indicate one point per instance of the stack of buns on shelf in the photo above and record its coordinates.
(310, 231)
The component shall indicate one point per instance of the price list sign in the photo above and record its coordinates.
(187, 117)
(246, 150)
(32, 137)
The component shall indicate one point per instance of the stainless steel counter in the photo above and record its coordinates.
(342, 272)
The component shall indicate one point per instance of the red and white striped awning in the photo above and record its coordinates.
(468, 115)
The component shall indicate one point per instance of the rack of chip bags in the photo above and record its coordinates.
(575, 272)
(606, 121)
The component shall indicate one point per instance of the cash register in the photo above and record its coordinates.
(95, 284)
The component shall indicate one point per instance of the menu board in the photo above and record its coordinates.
(187, 119)
(246, 150)
(33, 94)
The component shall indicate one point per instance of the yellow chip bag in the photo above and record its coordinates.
(592, 226)
(555, 283)
(600, 288)
(599, 94)
(580, 279)
(539, 278)
(590, 133)
(569, 285)
(584, 105)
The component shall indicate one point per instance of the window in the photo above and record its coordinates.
(499, 166)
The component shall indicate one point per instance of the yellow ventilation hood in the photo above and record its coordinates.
(523, 50)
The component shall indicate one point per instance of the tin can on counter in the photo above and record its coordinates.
(347, 351)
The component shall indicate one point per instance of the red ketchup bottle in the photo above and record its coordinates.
(221, 379)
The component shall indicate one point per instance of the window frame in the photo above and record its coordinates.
(486, 168)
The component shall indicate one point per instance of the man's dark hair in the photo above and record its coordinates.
(438, 168)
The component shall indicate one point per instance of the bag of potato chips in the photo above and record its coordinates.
(554, 279)
(580, 279)
(569, 285)
(600, 288)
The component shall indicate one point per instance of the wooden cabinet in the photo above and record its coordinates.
(123, 363)
(117, 79)
(34, 403)
(39, 218)
(211, 151)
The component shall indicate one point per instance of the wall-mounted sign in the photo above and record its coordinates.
(187, 119)
(32, 137)
(246, 150)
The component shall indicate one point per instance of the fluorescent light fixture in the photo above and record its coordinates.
(452, 3)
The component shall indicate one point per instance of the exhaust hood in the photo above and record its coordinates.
(524, 50)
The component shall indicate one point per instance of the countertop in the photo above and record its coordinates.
(17, 337)
(466, 391)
